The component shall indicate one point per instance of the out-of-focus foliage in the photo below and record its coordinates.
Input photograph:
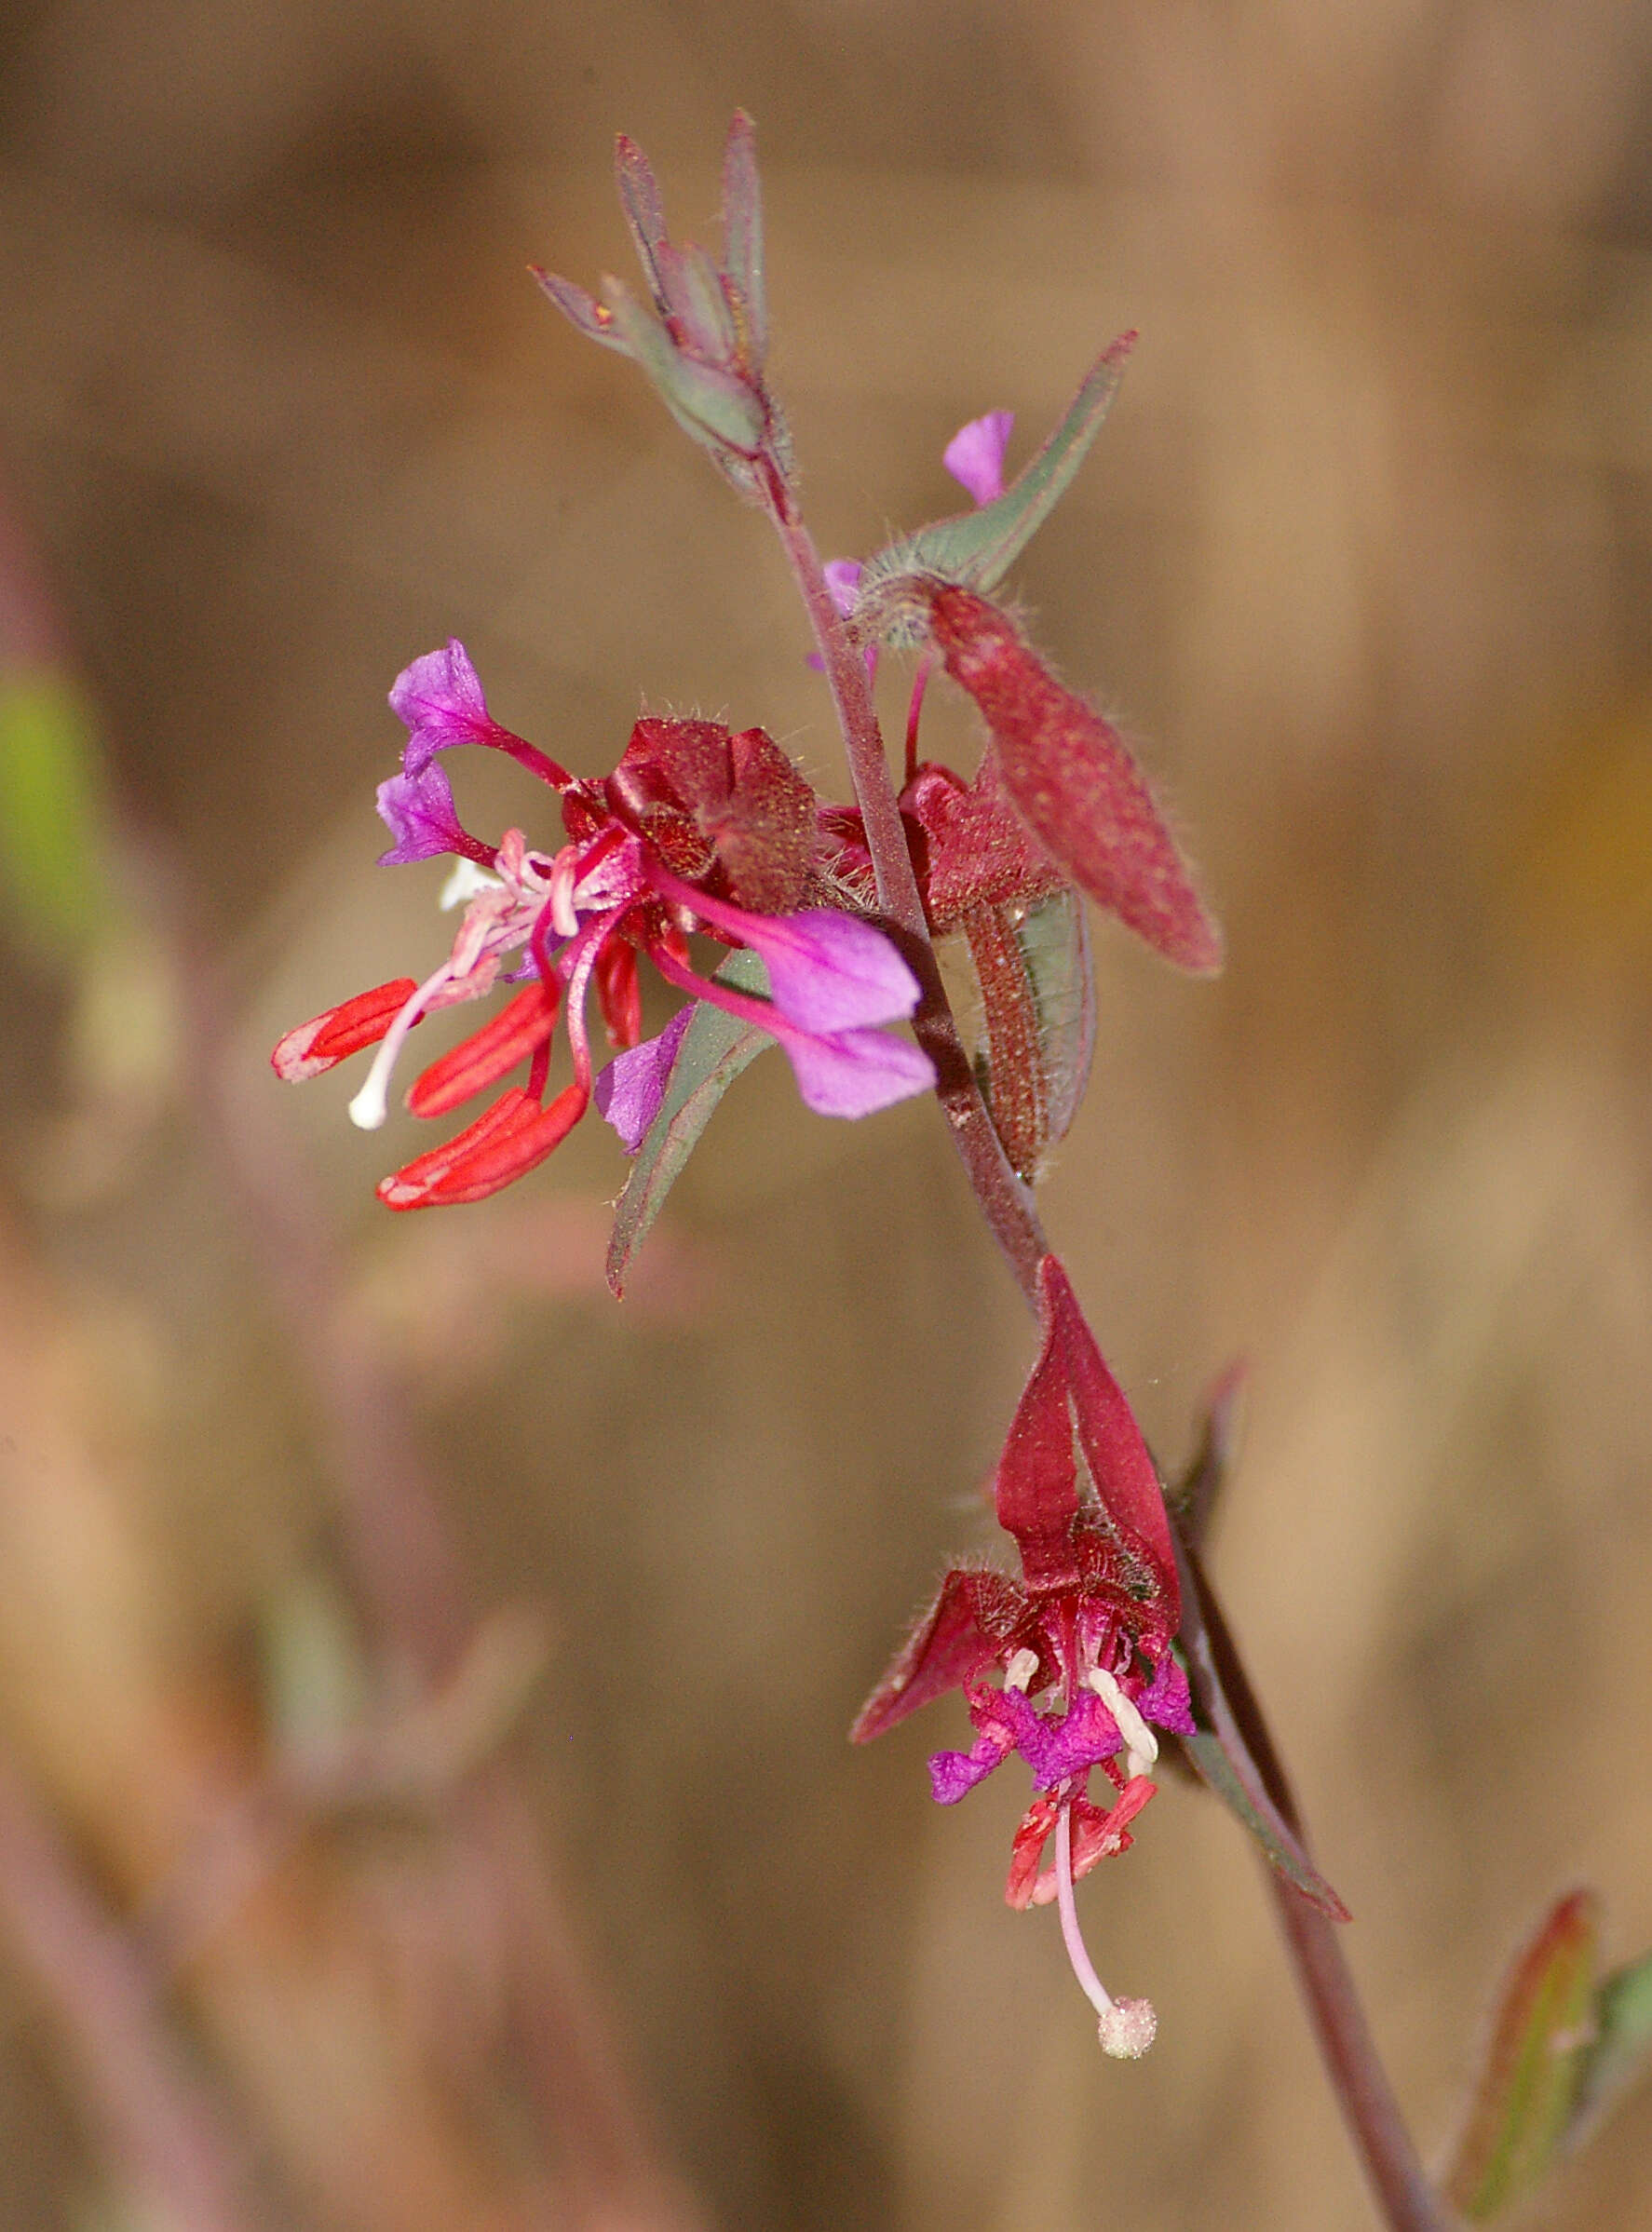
(1364, 561)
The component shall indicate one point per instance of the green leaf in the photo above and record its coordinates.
(51, 828)
(1541, 2030)
(975, 550)
(714, 406)
(715, 1048)
(1240, 1769)
(1620, 2049)
(1250, 1807)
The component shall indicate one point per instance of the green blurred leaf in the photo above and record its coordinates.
(975, 550)
(715, 1048)
(1621, 2046)
(51, 827)
(1542, 2030)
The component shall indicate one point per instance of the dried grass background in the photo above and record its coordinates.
(1362, 558)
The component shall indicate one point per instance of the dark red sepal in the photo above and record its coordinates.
(1126, 1479)
(974, 1620)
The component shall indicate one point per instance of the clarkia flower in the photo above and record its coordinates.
(1082, 1642)
(696, 831)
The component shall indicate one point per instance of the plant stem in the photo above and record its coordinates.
(1348, 2051)
(1006, 1199)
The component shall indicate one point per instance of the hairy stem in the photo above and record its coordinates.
(1345, 2045)
(1006, 1201)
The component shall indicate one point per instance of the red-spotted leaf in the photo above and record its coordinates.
(716, 1047)
(1542, 2026)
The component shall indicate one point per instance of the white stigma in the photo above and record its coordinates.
(1023, 1666)
(463, 883)
(1140, 1744)
(1126, 2027)
(369, 1107)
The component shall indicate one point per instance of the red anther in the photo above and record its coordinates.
(619, 993)
(513, 1135)
(483, 1057)
(325, 1039)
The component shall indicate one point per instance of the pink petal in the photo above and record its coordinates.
(855, 1072)
(975, 455)
(631, 1090)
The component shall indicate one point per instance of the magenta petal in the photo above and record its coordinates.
(843, 579)
(829, 972)
(1087, 1735)
(1165, 1701)
(854, 1072)
(439, 697)
(953, 1775)
(975, 455)
(631, 1090)
(418, 812)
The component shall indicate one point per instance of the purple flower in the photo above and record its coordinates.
(417, 809)
(975, 455)
(631, 1090)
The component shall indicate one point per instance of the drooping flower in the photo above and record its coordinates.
(696, 831)
(1081, 1642)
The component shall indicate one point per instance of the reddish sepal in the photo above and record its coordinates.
(1074, 782)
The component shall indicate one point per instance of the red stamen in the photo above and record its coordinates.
(619, 993)
(345, 1030)
(501, 1145)
(483, 1057)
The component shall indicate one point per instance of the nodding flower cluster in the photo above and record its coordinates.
(1081, 1642)
(696, 831)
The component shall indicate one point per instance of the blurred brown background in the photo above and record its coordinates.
(1362, 558)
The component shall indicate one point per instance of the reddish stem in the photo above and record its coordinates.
(1350, 2054)
(1005, 1201)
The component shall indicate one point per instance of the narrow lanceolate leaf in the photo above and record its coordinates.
(715, 1048)
(1230, 1748)
(742, 232)
(1541, 2030)
(1621, 2050)
(976, 549)
(644, 211)
(715, 406)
